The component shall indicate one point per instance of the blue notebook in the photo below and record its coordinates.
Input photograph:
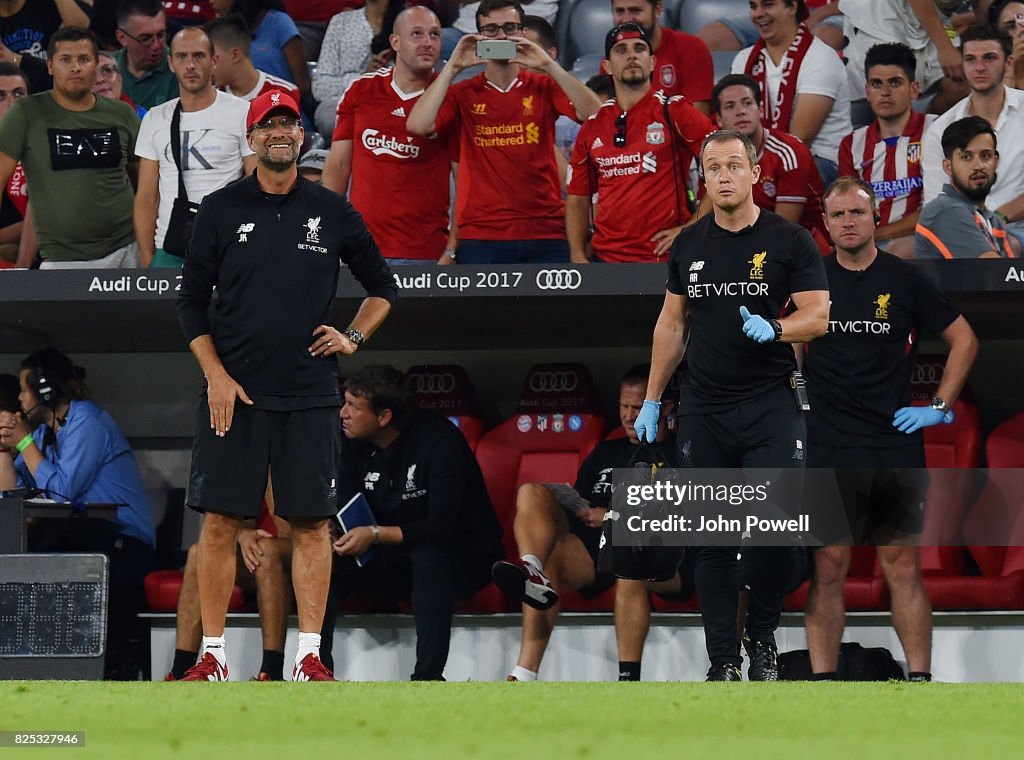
(355, 514)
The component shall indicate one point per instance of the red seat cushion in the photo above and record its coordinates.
(164, 586)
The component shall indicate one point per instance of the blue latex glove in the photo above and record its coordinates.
(911, 418)
(756, 328)
(646, 424)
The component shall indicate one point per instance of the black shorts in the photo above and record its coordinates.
(768, 431)
(882, 488)
(591, 540)
(300, 449)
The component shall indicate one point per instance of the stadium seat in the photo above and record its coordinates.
(694, 15)
(587, 25)
(557, 423)
(586, 66)
(447, 390)
(997, 513)
(164, 586)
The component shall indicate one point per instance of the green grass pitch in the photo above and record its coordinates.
(243, 721)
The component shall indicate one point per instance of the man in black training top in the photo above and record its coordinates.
(731, 276)
(273, 245)
(436, 535)
(858, 380)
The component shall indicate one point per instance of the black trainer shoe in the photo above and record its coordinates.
(724, 671)
(764, 660)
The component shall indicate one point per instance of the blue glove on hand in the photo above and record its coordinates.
(756, 328)
(911, 418)
(646, 425)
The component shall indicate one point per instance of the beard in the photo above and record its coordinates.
(278, 164)
(975, 193)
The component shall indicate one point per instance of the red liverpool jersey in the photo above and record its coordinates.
(892, 165)
(641, 185)
(789, 175)
(508, 185)
(682, 66)
(399, 181)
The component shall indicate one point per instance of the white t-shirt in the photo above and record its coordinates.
(212, 147)
(886, 20)
(1009, 141)
(466, 22)
(821, 73)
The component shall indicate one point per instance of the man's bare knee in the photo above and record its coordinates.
(900, 564)
(831, 564)
(532, 497)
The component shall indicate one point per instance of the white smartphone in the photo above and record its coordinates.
(499, 50)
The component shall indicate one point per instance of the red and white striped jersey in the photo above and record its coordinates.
(891, 165)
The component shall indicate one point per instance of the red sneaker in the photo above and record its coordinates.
(207, 669)
(262, 676)
(519, 580)
(311, 669)
(170, 677)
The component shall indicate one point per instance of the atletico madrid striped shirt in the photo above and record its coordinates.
(892, 165)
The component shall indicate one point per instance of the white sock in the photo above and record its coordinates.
(215, 646)
(522, 674)
(309, 643)
(533, 562)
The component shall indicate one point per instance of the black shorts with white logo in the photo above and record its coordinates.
(299, 448)
(882, 488)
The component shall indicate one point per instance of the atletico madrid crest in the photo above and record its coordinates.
(913, 152)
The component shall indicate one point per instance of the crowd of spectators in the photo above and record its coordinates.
(866, 88)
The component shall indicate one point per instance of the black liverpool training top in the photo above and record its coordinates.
(275, 260)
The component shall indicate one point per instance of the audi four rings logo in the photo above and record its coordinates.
(927, 373)
(443, 382)
(553, 382)
(559, 279)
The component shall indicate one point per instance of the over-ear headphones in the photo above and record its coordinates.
(44, 388)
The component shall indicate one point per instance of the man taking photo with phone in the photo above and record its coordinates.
(509, 207)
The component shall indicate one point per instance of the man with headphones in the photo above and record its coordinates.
(71, 449)
(858, 381)
(731, 277)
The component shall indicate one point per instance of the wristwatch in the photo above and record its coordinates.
(940, 405)
(354, 335)
(777, 328)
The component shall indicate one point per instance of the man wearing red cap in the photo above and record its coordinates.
(683, 64)
(634, 153)
(272, 244)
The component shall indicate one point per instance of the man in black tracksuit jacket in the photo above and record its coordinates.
(438, 535)
(272, 245)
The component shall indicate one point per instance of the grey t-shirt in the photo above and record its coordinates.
(75, 165)
(952, 227)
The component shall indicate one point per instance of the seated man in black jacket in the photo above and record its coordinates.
(437, 534)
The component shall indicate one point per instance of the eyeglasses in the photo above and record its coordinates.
(108, 70)
(277, 122)
(491, 30)
(620, 130)
(146, 39)
(16, 94)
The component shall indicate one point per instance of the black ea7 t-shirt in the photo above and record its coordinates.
(858, 374)
(718, 271)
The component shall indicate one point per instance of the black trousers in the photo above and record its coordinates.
(429, 577)
(768, 432)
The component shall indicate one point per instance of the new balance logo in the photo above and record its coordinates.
(244, 230)
(400, 111)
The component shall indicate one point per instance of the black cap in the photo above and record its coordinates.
(627, 31)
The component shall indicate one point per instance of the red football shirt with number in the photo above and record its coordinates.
(789, 175)
(641, 186)
(508, 185)
(399, 181)
(682, 66)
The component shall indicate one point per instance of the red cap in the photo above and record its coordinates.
(274, 100)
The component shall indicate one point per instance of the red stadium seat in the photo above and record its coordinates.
(863, 590)
(447, 390)
(996, 514)
(557, 422)
(164, 586)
